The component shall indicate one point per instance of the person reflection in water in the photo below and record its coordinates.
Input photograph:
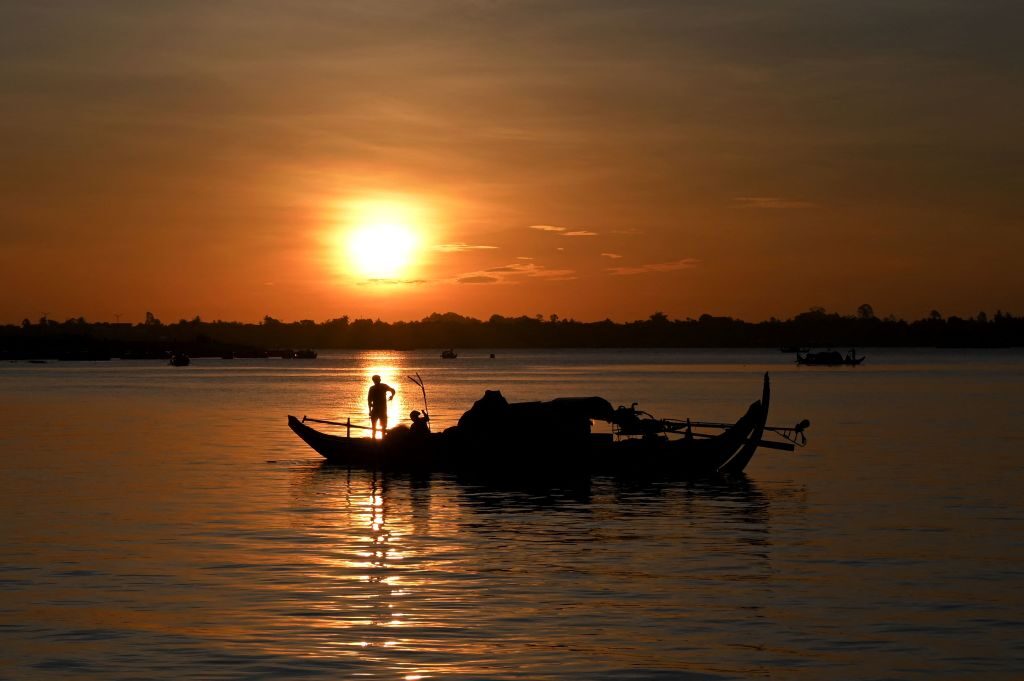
(419, 423)
(377, 400)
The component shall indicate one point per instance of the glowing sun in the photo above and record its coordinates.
(382, 239)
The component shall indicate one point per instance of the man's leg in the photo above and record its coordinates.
(373, 427)
(383, 425)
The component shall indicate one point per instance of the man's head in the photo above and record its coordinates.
(414, 415)
(376, 378)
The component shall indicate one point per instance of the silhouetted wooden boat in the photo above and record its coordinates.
(829, 358)
(179, 360)
(555, 437)
(305, 354)
(448, 354)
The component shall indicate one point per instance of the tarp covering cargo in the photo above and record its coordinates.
(562, 418)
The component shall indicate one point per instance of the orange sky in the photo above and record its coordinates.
(746, 158)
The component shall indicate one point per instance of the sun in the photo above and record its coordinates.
(381, 239)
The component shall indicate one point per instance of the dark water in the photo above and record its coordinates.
(163, 522)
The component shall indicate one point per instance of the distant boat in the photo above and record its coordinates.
(448, 354)
(829, 358)
(305, 354)
(179, 360)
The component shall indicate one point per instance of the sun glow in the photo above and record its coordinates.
(382, 239)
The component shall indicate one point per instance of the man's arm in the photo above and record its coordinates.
(392, 390)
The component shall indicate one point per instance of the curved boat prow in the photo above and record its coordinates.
(737, 463)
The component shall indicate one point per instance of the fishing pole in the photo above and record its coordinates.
(419, 381)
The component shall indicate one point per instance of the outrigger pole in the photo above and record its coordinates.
(794, 434)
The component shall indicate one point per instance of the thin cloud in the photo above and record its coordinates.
(460, 247)
(515, 273)
(770, 202)
(685, 263)
(613, 256)
(563, 231)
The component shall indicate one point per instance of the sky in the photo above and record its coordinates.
(591, 159)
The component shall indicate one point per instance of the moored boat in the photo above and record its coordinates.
(829, 358)
(559, 439)
(179, 360)
(448, 354)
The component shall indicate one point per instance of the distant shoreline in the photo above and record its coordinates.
(77, 339)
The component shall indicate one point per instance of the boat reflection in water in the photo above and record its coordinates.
(433, 576)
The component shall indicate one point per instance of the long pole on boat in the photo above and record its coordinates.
(419, 381)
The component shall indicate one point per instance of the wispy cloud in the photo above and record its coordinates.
(563, 231)
(683, 264)
(770, 202)
(515, 273)
(460, 247)
(613, 256)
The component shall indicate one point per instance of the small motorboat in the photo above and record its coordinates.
(179, 359)
(448, 354)
(305, 354)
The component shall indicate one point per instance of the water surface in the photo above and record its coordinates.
(163, 522)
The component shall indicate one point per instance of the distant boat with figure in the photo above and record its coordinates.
(179, 360)
(829, 358)
(448, 354)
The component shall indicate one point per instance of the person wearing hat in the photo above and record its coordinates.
(377, 400)
(419, 423)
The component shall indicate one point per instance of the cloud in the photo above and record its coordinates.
(523, 257)
(460, 247)
(685, 263)
(563, 231)
(515, 273)
(770, 202)
(613, 256)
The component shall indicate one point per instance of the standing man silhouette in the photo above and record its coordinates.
(377, 400)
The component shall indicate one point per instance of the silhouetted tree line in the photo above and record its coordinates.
(80, 339)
